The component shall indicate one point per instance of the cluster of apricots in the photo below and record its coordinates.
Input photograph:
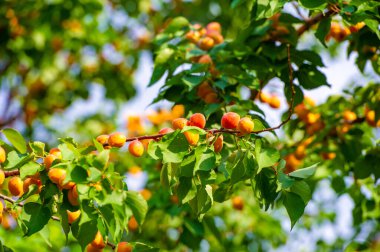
(339, 33)
(98, 244)
(294, 160)
(313, 121)
(272, 100)
(207, 93)
(16, 29)
(206, 38)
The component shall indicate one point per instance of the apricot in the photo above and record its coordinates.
(72, 196)
(204, 89)
(57, 175)
(102, 139)
(72, 216)
(264, 97)
(32, 181)
(370, 117)
(274, 102)
(117, 139)
(301, 111)
(205, 59)
(357, 27)
(179, 123)
(349, 116)
(230, 120)
(300, 152)
(15, 186)
(68, 185)
(3, 156)
(309, 101)
(91, 248)
(124, 247)
(218, 144)
(136, 148)
(193, 36)
(312, 118)
(98, 241)
(174, 199)
(165, 131)
(291, 163)
(48, 161)
(197, 120)
(192, 138)
(206, 43)
(328, 155)
(216, 36)
(132, 224)
(245, 125)
(147, 194)
(2, 177)
(237, 203)
(211, 98)
(74, 191)
(1, 208)
(56, 152)
(214, 26)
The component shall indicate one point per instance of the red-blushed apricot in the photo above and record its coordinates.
(15, 186)
(179, 123)
(230, 120)
(72, 196)
(214, 26)
(74, 191)
(102, 139)
(192, 138)
(204, 89)
(197, 120)
(264, 97)
(300, 152)
(205, 59)
(2, 177)
(357, 27)
(349, 116)
(328, 155)
(136, 148)
(193, 36)
(117, 139)
(56, 152)
(216, 36)
(48, 161)
(237, 203)
(211, 98)
(3, 156)
(274, 102)
(72, 216)
(98, 241)
(146, 142)
(245, 125)
(57, 175)
(91, 248)
(32, 181)
(147, 194)
(206, 43)
(124, 247)
(291, 163)
(165, 131)
(218, 144)
(132, 224)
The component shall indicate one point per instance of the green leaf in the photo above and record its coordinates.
(310, 77)
(158, 72)
(16, 139)
(322, 31)
(238, 170)
(205, 158)
(304, 172)
(38, 148)
(39, 217)
(314, 4)
(141, 247)
(295, 207)
(302, 189)
(138, 205)
(267, 157)
(29, 168)
(284, 180)
(176, 24)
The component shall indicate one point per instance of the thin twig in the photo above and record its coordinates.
(316, 19)
(11, 173)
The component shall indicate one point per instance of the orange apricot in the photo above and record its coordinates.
(48, 161)
(328, 155)
(91, 248)
(349, 116)
(211, 98)
(2, 177)
(291, 163)
(205, 59)
(124, 247)
(102, 139)
(174, 199)
(245, 125)
(32, 181)
(264, 97)
(192, 138)
(15, 186)
(218, 144)
(72, 196)
(312, 118)
(193, 36)
(214, 26)
(216, 36)
(300, 152)
(370, 117)
(73, 216)
(57, 175)
(179, 123)
(197, 120)
(132, 224)
(165, 131)
(204, 89)
(230, 120)
(274, 102)
(3, 156)
(147, 194)
(237, 203)
(56, 152)
(117, 139)
(206, 43)
(136, 148)
(98, 241)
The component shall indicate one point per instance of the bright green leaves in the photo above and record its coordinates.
(294, 205)
(314, 4)
(138, 205)
(322, 31)
(38, 216)
(171, 149)
(304, 172)
(243, 168)
(16, 139)
(267, 158)
(310, 77)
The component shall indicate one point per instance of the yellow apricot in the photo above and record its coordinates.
(328, 155)
(3, 156)
(237, 203)
(349, 116)
(179, 123)
(91, 248)
(206, 43)
(73, 216)
(48, 161)
(300, 152)
(192, 138)
(15, 186)
(102, 139)
(264, 97)
(132, 224)
(245, 125)
(56, 152)
(136, 148)
(98, 241)
(117, 139)
(57, 175)
(2, 177)
(274, 102)
(147, 194)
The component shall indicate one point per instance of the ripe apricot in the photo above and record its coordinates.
(56, 152)
(98, 241)
(2, 177)
(328, 155)
(124, 247)
(147, 194)
(32, 181)
(205, 59)
(300, 152)
(264, 97)
(165, 131)
(216, 36)
(3, 156)
(48, 161)
(15, 186)
(274, 102)
(309, 101)
(218, 144)
(68, 185)
(132, 224)
(72, 216)
(192, 138)
(136, 148)
(349, 116)
(1, 208)
(197, 120)
(230, 120)
(211, 98)
(117, 139)
(72, 196)
(57, 175)
(214, 26)
(204, 89)
(74, 191)
(357, 27)
(179, 123)
(245, 125)
(291, 163)
(102, 139)
(206, 43)
(312, 118)
(91, 248)
(193, 36)
(237, 203)
(370, 117)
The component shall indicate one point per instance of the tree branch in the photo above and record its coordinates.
(316, 19)
(11, 173)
